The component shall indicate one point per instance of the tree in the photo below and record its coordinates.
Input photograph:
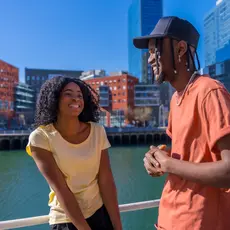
(140, 115)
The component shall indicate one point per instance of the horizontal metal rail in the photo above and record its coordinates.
(38, 220)
(108, 130)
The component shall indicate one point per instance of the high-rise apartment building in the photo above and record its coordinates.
(143, 15)
(24, 106)
(221, 72)
(8, 78)
(217, 33)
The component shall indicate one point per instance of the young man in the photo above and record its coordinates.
(196, 194)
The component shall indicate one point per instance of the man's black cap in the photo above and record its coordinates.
(170, 27)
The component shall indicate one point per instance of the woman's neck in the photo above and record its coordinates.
(68, 126)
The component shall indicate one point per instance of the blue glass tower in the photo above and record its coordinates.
(142, 17)
(216, 33)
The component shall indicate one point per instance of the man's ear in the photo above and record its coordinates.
(181, 48)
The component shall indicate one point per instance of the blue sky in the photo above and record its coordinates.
(77, 34)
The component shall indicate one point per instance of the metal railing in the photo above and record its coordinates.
(134, 129)
(108, 129)
(14, 132)
(38, 220)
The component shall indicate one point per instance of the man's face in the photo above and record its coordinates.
(164, 71)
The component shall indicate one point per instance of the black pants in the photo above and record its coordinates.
(100, 220)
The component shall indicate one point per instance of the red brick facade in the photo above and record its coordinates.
(121, 93)
(8, 78)
(121, 90)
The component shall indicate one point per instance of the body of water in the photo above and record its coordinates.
(24, 192)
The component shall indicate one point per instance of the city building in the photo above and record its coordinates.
(166, 92)
(154, 101)
(143, 15)
(146, 95)
(104, 92)
(92, 74)
(36, 77)
(216, 33)
(24, 105)
(147, 102)
(221, 72)
(9, 76)
(116, 96)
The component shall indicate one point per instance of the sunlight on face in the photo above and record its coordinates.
(155, 64)
(71, 100)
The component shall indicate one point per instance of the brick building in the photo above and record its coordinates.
(116, 96)
(8, 78)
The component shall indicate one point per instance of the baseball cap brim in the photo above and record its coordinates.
(143, 42)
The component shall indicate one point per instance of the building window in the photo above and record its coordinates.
(11, 105)
(28, 78)
(33, 78)
(6, 104)
(124, 87)
(117, 118)
(38, 78)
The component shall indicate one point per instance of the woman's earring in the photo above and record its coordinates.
(179, 59)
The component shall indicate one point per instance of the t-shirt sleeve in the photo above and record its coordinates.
(169, 128)
(216, 115)
(104, 139)
(38, 139)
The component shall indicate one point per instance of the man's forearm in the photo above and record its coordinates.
(109, 196)
(215, 174)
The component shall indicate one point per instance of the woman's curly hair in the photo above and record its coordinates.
(48, 101)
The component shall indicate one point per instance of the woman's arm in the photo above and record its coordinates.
(49, 169)
(108, 190)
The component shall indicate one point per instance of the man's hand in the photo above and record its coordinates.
(161, 157)
(150, 168)
(153, 164)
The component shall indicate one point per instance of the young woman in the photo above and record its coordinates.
(71, 151)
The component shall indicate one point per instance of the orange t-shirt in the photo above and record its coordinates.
(195, 126)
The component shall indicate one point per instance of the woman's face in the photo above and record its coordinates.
(71, 101)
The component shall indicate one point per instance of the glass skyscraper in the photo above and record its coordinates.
(217, 33)
(142, 17)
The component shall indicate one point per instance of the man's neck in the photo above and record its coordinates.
(181, 80)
